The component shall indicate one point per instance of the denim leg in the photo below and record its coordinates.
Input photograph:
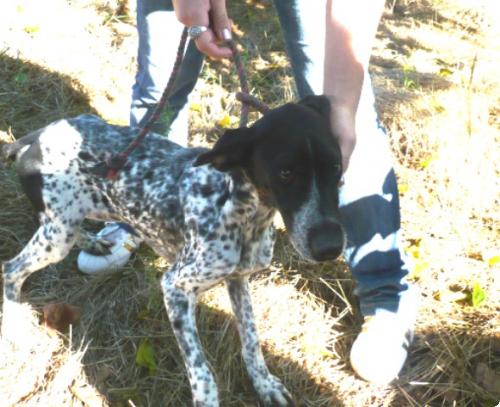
(303, 26)
(370, 208)
(159, 36)
(369, 198)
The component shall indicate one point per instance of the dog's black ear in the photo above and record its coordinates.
(231, 150)
(318, 103)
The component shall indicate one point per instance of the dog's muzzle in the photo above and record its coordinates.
(326, 241)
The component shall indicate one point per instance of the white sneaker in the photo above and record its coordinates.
(380, 350)
(122, 243)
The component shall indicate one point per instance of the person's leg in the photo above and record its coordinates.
(303, 28)
(159, 35)
(370, 208)
(369, 198)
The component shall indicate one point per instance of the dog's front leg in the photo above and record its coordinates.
(269, 388)
(181, 305)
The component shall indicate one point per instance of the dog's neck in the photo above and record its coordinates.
(257, 232)
(259, 197)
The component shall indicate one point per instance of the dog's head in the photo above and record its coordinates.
(294, 161)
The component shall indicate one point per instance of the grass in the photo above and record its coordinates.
(435, 75)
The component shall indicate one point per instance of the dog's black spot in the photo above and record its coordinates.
(95, 198)
(223, 198)
(28, 169)
(177, 324)
(206, 190)
(198, 362)
(105, 201)
(85, 156)
(211, 236)
(183, 306)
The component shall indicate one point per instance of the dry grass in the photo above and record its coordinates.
(435, 70)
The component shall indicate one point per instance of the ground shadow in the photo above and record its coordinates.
(114, 329)
(425, 11)
(401, 74)
(408, 15)
(32, 97)
(118, 314)
(451, 365)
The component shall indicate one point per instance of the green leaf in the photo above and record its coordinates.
(478, 295)
(145, 356)
(21, 78)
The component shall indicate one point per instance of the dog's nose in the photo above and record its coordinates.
(326, 241)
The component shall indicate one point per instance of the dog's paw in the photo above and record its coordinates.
(272, 393)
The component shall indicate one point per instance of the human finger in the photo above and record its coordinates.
(220, 22)
(207, 44)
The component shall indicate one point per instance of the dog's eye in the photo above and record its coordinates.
(286, 175)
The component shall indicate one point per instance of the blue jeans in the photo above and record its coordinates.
(369, 198)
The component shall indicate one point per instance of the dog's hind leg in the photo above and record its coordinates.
(50, 244)
(269, 388)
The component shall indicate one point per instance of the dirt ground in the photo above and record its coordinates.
(435, 72)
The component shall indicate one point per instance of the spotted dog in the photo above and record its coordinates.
(210, 211)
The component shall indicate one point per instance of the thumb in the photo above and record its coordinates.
(221, 24)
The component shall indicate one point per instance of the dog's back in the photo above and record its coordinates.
(56, 166)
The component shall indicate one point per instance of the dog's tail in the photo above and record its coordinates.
(10, 151)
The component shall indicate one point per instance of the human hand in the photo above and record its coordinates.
(211, 14)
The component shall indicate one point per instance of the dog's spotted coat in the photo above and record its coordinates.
(213, 221)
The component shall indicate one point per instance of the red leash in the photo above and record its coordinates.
(112, 166)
